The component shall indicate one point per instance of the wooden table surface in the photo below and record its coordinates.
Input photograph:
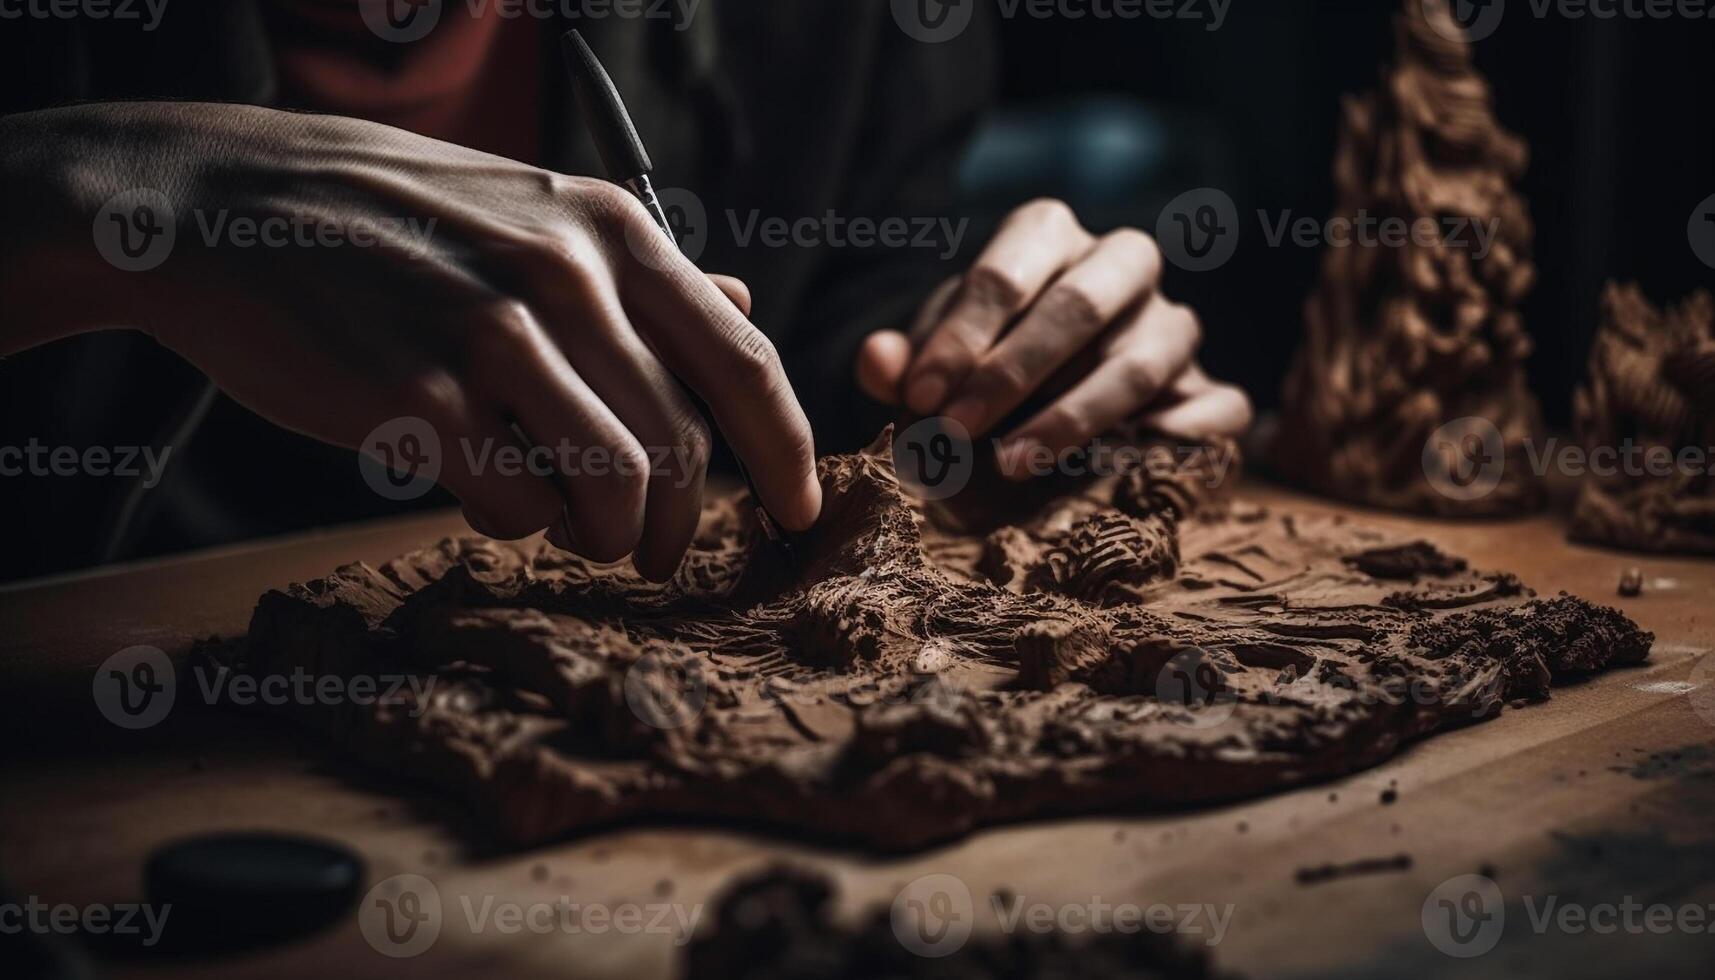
(1603, 796)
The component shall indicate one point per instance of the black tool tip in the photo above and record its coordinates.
(616, 139)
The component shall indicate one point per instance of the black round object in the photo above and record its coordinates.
(227, 890)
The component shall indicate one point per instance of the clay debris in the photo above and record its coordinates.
(1140, 641)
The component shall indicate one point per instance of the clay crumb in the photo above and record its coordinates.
(1363, 866)
(1632, 582)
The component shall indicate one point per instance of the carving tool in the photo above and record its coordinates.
(627, 164)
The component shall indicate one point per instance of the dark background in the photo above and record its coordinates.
(1616, 113)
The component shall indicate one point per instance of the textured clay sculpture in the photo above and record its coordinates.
(1137, 641)
(1415, 323)
(1646, 418)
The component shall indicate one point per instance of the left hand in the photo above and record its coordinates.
(1048, 303)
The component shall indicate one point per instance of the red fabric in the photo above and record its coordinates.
(475, 79)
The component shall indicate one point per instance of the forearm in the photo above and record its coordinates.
(59, 169)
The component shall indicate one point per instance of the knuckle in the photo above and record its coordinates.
(993, 286)
(1139, 242)
(1142, 377)
(1070, 423)
(434, 395)
(754, 361)
(1244, 413)
(1072, 305)
(692, 437)
(1007, 378)
(1050, 209)
(1189, 322)
(505, 336)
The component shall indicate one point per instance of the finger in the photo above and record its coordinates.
(1207, 410)
(601, 470)
(735, 290)
(886, 354)
(881, 365)
(502, 504)
(707, 343)
(599, 340)
(1124, 267)
(1140, 362)
(1033, 245)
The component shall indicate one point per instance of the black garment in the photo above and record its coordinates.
(764, 109)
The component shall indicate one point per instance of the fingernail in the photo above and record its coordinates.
(926, 393)
(968, 412)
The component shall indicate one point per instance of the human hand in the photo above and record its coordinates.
(1050, 307)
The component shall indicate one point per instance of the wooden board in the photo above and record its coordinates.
(1601, 795)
